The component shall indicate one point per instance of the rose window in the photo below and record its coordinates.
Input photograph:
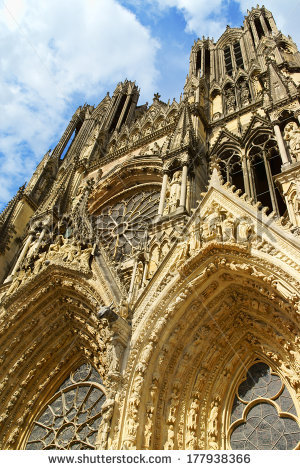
(72, 416)
(122, 227)
(263, 414)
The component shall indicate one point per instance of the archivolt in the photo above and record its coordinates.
(47, 331)
(225, 312)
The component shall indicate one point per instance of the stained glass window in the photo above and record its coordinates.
(71, 418)
(256, 422)
(122, 226)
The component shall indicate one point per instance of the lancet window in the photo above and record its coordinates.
(263, 414)
(265, 163)
(238, 55)
(231, 168)
(259, 28)
(233, 58)
(71, 417)
(228, 60)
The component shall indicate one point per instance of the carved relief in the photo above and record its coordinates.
(292, 137)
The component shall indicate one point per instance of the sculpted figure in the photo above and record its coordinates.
(173, 405)
(244, 230)
(148, 426)
(213, 418)
(228, 228)
(39, 262)
(195, 243)
(84, 255)
(70, 251)
(244, 90)
(292, 137)
(230, 100)
(33, 245)
(175, 191)
(107, 412)
(115, 355)
(17, 281)
(123, 308)
(192, 416)
(54, 248)
(183, 254)
(169, 445)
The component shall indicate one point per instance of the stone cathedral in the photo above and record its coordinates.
(150, 269)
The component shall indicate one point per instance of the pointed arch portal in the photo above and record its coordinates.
(228, 326)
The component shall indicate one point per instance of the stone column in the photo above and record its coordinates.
(270, 184)
(21, 257)
(251, 180)
(256, 38)
(183, 185)
(40, 239)
(163, 194)
(264, 26)
(132, 281)
(280, 141)
(146, 264)
(273, 24)
(245, 175)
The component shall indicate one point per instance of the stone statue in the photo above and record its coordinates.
(244, 230)
(230, 100)
(19, 278)
(292, 137)
(228, 228)
(39, 262)
(33, 245)
(148, 426)
(174, 198)
(244, 93)
(107, 412)
(169, 444)
(192, 416)
(213, 418)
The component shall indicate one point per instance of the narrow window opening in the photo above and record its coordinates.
(198, 62)
(117, 114)
(71, 140)
(126, 113)
(228, 61)
(207, 62)
(238, 55)
(261, 182)
(68, 146)
(275, 167)
(259, 28)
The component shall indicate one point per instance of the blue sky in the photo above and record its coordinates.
(59, 54)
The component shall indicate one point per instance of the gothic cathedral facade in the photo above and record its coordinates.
(150, 269)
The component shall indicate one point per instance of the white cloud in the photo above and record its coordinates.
(205, 17)
(51, 52)
(210, 17)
